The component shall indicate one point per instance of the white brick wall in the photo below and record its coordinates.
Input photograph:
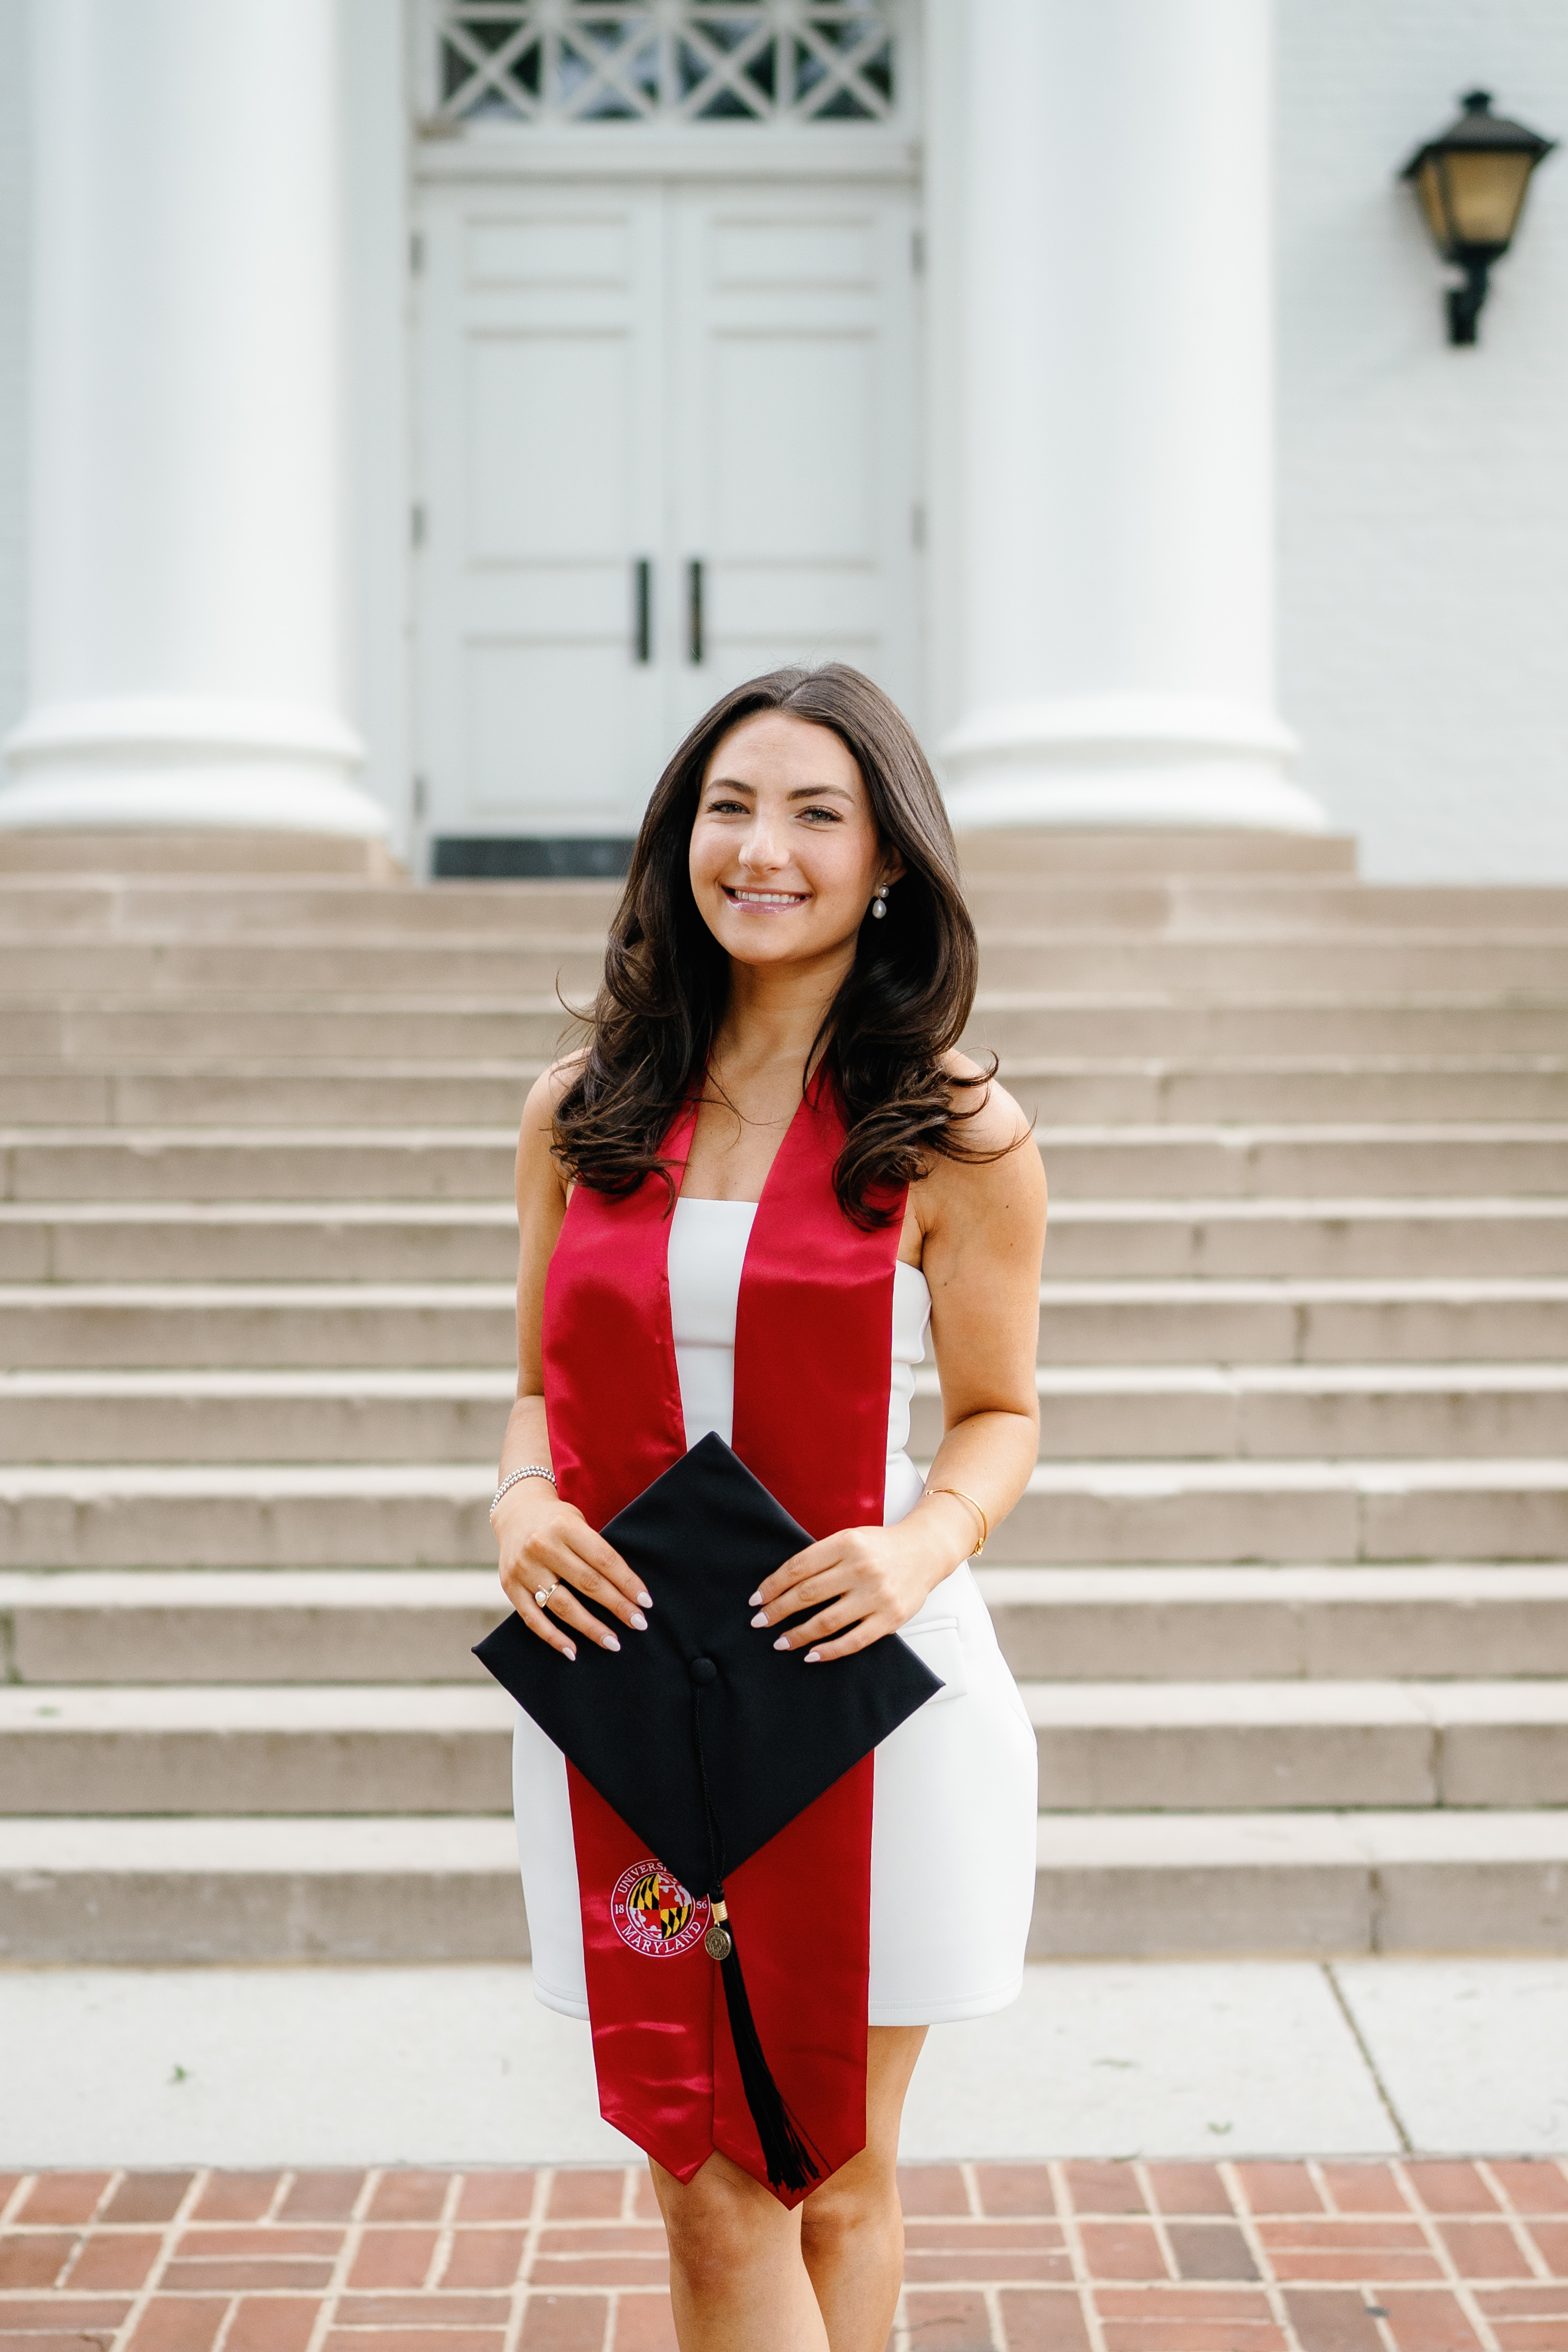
(1424, 490)
(14, 175)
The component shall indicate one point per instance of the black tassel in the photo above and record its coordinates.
(788, 2154)
(786, 2151)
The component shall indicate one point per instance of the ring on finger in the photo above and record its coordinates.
(541, 1597)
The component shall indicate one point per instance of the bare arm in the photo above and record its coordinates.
(983, 1232)
(543, 1541)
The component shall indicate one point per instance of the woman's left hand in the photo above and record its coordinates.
(860, 1584)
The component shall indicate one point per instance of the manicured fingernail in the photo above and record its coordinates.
(611, 1642)
(761, 1618)
(755, 1602)
(639, 1620)
(570, 1654)
(813, 1657)
(646, 1598)
(783, 1642)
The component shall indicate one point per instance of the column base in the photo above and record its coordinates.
(1124, 760)
(174, 763)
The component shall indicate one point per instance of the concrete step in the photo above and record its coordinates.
(384, 962)
(1060, 1092)
(445, 1888)
(1261, 1747)
(1363, 962)
(227, 1416)
(1314, 1093)
(311, 1326)
(1023, 1022)
(1151, 1625)
(1265, 1163)
(194, 1748)
(397, 1888)
(1088, 1412)
(1032, 955)
(297, 1324)
(1173, 1885)
(1159, 1624)
(1284, 1511)
(237, 1625)
(337, 1163)
(203, 853)
(390, 1095)
(433, 1515)
(1403, 1319)
(379, 1241)
(1204, 906)
(160, 1032)
(90, 1031)
(261, 1241)
(162, 908)
(1183, 1410)
(1326, 1239)
(1208, 850)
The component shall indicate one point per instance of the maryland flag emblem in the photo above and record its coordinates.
(655, 1914)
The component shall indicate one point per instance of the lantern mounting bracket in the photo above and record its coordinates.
(1465, 301)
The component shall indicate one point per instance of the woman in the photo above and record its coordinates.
(789, 971)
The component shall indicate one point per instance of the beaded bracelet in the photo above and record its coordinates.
(529, 1470)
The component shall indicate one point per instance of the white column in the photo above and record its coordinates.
(1110, 308)
(186, 618)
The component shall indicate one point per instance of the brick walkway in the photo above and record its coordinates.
(1356, 2257)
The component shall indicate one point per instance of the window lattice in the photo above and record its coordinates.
(664, 61)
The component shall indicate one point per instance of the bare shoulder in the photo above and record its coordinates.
(997, 1122)
(536, 1166)
(1001, 1175)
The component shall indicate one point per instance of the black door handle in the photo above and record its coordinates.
(695, 641)
(642, 608)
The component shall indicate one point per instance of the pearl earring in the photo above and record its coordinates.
(880, 903)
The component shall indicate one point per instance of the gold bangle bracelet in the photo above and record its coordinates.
(974, 1506)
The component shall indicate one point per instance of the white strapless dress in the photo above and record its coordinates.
(952, 1828)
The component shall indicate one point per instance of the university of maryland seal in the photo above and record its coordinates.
(655, 1915)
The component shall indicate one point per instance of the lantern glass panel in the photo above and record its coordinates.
(1429, 187)
(1485, 194)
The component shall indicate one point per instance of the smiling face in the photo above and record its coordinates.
(785, 858)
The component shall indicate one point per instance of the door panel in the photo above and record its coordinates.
(667, 371)
(792, 463)
(542, 370)
(558, 491)
(794, 363)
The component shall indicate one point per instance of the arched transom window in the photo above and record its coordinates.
(672, 61)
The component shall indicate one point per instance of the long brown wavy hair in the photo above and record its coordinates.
(902, 1005)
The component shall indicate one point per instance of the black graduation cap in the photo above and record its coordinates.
(703, 1737)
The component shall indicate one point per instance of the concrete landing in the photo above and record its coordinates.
(256, 2067)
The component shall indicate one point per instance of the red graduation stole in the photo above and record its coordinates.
(813, 1360)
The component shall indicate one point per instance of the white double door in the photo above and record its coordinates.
(667, 439)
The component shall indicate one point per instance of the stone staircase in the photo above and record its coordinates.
(1289, 1593)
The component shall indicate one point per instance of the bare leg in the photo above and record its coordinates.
(852, 2228)
(737, 2282)
(746, 2276)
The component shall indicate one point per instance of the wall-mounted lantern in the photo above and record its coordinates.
(1471, 182)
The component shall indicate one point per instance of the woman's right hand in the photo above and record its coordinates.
(547, 1543)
